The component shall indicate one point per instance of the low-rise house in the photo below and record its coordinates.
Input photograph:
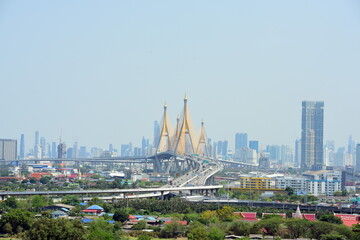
(58, 214)
(93, 210)
(58, 207)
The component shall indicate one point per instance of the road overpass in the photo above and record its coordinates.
(3, 195)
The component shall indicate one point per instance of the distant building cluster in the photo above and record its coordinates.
(322, 182)
(309, 153)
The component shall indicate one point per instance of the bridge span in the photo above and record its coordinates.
(3, 195)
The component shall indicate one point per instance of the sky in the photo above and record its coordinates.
(99, 72)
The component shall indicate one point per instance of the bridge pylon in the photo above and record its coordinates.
(202, 148)
(185, 139)
(165, 140)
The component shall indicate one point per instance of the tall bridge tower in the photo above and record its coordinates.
(185, 139)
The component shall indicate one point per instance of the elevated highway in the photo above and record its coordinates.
(3, 195)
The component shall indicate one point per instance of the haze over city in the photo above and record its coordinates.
(101, 72)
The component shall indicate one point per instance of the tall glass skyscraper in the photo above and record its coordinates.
(22, 147)
(241, 141)
(312, 128)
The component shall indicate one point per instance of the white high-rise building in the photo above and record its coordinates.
(8, 149)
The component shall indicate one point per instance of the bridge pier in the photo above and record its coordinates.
(162, 195)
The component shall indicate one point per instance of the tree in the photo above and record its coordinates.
(45, 180)
(71, 199)
(226, 213)
(56, 229)
(297, 227)
(331, 219)
(271, 225)
(33, 180)
(11, 202)
(240, 228)
(216, 233)
(172, 230)
(318, 228)
(121, 215)
(96, 201)
(208, 217)
(18, 219)
(290, 191)
(144, 237)
(198, 233)
(332, 237)
(101, 230)
(140, 225)
(37, 202)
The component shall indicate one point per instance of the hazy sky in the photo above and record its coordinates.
(102, 70)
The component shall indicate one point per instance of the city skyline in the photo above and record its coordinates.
(246, 67)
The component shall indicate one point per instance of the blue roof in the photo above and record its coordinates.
(84, 220)
(111, 221)
(151, 218)
(95, 207)
(138, 216)
(82, 204)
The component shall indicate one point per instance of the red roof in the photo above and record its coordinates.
(90, 210)
(39, 175)
(309, 216)
(184, 223)
(348, 219)
(249, 216)
(132, 217)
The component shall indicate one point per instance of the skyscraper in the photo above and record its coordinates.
(312, 127)
(8, 149)
(254, 145)
(36, 143)
(43, 147)
(156, 133)
(241, 141)
(297, 158)
(36, 138)
(61, 150)
(22, 146)
(358, 157)
(53, 150)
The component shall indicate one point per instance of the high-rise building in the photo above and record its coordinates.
(224, 150)
(143, 146)
(53, 150)
(358, 157)
(156, 133)
(61, 150)
(8, 149)
(241, 141)
(75, 151)
(22, 147)
(36, 143)
(36, 138)
(312, 127)
(254, 145)
(43, 147)
(297, 158)
(351, 145)
(82, 152)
